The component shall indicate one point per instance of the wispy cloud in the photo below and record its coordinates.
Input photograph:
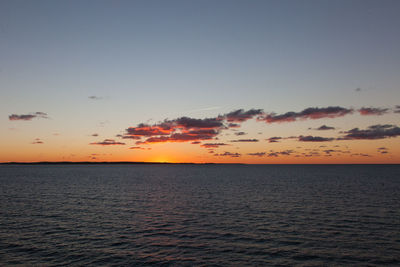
(308, 113)
(204, 109)
(257, 154)
(93, 97)
(274, 139)
(137, 147)
(213, 145)
(373, 111)
(228, 154)
(280, 153)
(28, 117)
(107, 142)
(37, 141)
(245, 140)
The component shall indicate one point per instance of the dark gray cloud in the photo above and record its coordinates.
(257, 154)
(280, 153)
(134, 137)
(233, 125)
(229, 154)
(107, 142)
(37, 141)
(373, 132)
(28, 117)
(310, 138)
(308, 113)
(274, 139)
(245, 140)
(213, 145)
(93, 97)
(240, 133)
(240, 115)
(360, 154)
(324, 128)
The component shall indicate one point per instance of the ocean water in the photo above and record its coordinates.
(200, 215)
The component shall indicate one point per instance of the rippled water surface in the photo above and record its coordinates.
(221, 215)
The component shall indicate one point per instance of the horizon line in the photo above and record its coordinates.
(175, 163)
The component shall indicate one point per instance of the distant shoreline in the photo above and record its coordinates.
(167, 163)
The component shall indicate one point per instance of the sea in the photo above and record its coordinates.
(199, 215)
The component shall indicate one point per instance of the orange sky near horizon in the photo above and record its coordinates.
(383, 151)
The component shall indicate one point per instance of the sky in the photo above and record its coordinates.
(200, 81)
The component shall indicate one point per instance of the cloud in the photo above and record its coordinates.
(245, 140)
(190, 123)
(95, 134)
(373, 132)
(185, 125)
(137, 147)
(93, 97)
(282, 153)
(274, 139)
(257, 154)
(213, 145)
(330, 151)
(229, 154)
(233, 125)
(186, 129)
(358, 89)
(128, 136)
(325, 128)
(310, 138)
(37, 141)
(286, 152)
(240, 115)
(182, 137)
(383, 150)
(397, 109)
(360, 154)
(107, 142)
(183, 129)
(373, 111)
(27, 117)
(308, 113)
(147, 130)
(195, 142)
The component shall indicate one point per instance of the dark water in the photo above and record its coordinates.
(199, 215)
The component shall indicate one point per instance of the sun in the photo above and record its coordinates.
(160, 159)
